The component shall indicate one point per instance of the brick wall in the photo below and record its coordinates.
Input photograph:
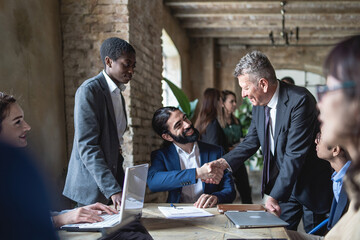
(85, 25)
(145, 26)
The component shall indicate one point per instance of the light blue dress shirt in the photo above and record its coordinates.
(337, 179)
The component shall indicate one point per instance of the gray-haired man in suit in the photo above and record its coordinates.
(284, 123)
(95, 171)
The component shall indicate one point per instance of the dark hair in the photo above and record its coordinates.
(5, 102)
(209, 109)
(221, 115)
(257, 65)
(289, 80)
(160, 118)
(343, 63)
(114, 48)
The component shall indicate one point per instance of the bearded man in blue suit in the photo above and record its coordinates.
(180, 166)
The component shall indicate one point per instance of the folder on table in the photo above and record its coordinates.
(222, 208)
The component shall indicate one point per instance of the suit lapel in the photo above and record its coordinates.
(123, 104)
(204, 158)
(280, 109)
(261, 128)
(173, 158)
(106, 92)
(341, 205)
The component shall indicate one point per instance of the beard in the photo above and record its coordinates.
(183, 139)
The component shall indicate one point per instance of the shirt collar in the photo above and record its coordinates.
(337, 177)
(180, 150)
(274, 100)
(112, 85)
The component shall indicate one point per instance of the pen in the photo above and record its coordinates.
(172, 205)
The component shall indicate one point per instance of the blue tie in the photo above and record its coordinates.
(266, 151)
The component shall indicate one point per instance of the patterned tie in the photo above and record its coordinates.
(266, 151)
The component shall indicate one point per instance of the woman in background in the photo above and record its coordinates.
(207, 123)
(233, 132)
(13, 130)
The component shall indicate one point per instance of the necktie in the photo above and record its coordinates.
(266, 151)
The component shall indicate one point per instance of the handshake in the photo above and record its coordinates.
(212, 172)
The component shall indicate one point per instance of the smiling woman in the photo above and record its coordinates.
(13, 128)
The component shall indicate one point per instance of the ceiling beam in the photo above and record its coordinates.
(265, 7)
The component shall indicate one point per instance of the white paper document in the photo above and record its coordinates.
(184, 212)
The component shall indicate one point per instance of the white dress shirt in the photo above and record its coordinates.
(190, 193)
(273, 104)
(118, 106)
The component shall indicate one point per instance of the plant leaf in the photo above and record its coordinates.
(192, 108)
(180, 97)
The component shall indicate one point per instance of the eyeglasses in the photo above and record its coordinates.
(321, 90)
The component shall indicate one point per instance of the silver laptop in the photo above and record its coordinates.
(132, 203)
(255, 219)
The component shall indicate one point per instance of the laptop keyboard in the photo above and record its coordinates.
(109, 221)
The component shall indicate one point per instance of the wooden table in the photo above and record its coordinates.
(216, 227)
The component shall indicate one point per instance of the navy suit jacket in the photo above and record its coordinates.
(25, 206)
(295, 168)
(338, 208)
(165, 174)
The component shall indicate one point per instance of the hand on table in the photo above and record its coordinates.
(206, 201)
(86, 214)
(273, 206)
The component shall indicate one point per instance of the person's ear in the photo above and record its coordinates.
(264, 84)
(167, 137)
(108, 61)
(336, 151)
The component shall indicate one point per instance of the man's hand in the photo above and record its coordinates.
(211, 175)
(86, 214)
(116, 199)
(273, 206)
(206, 201)
(216, 167)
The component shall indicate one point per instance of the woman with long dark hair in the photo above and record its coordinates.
(207, 123)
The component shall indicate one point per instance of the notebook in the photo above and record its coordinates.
(255, 219)
(132, 203)
(222, 208)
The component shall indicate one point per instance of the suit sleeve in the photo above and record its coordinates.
(160, 179)
(226, 193)
(87, 138)
(245, 149)
(298, 139)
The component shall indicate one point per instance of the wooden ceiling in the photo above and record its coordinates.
(235, 22)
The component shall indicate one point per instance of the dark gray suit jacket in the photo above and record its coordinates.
(295, 167)
(95, 163)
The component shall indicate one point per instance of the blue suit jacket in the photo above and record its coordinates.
(338, 208)
(165, 174)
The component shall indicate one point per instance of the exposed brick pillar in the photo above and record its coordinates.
(85, 25)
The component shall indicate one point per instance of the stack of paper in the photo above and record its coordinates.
(184, 212)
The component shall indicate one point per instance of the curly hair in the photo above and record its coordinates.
(114, 48)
